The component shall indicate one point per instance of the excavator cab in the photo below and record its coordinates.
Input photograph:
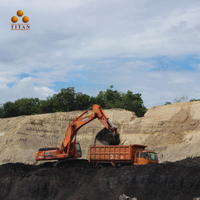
(76, 149)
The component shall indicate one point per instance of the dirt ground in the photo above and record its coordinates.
(80, 180)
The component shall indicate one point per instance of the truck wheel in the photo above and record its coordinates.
(99, 166)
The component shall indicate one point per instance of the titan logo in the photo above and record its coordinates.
(20, 26)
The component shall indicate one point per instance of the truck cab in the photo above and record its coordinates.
(143, 157)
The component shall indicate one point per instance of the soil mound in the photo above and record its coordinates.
(80, 180)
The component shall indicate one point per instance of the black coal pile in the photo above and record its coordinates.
(189, 162)
(80, 180)
(107, 138)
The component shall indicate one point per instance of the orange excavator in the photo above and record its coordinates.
(70, 147)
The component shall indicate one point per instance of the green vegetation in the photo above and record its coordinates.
(167, 103)
(183, 98)
(194, 100)
(68, 100)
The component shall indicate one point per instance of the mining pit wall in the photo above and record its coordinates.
(173, 131)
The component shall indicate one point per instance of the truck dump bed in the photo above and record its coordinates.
(116, 154)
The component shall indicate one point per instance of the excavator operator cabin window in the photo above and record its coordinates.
(78, 148)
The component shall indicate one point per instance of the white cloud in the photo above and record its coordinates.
(101, 43)
(156, 87)
(24, 88)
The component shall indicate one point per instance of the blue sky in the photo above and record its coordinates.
(150, 47)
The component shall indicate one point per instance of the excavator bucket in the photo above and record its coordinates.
(107, 137)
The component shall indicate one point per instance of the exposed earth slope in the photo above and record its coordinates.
(173, 131)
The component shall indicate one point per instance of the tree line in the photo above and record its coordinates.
(68, 100)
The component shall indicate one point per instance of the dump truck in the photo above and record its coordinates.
(121, 154)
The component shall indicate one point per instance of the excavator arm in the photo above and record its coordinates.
(69, 144)
(80, 121)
